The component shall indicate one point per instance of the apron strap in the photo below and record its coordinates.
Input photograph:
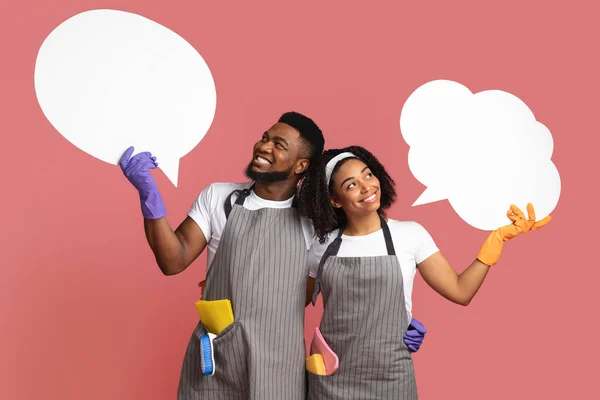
(389, 244)
(334, 248)
(242, 195)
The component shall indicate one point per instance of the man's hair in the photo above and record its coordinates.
(309, 132)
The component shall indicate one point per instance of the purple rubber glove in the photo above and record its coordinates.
(414, 335)
(137, 170)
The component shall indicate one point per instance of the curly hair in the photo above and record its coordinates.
(314, 195)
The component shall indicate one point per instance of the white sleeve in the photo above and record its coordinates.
(425, 244)
(202, 209)
(308, 230)
(316, 253)
(313, 262)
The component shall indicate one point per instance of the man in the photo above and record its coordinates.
(257, 258)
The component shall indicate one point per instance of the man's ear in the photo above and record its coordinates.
(301, 166)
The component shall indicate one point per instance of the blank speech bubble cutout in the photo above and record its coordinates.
(481, 151)
(108, 79)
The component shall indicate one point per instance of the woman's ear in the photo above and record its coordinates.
(334, 202)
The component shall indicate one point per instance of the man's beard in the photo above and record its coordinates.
(267, 177)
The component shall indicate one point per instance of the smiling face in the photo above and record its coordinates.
(355, 189)
(278, 156)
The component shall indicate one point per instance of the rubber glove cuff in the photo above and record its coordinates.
(152, 204)
(489, 253)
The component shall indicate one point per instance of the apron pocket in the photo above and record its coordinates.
(230, 355)
(321, 386)
(226, 331)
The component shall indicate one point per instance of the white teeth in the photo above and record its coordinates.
(263, 161)
(370, 198)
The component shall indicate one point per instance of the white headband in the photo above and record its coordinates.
(333, 162)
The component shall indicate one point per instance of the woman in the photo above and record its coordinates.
(366, 274)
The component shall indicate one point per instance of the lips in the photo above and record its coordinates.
(262, 160)
(371, 198)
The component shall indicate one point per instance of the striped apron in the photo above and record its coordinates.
(261, 265)
(364, 321)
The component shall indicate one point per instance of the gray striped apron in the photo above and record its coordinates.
(261, 265)
(364, 321)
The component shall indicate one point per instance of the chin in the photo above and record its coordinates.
(253, 169)
(375, 207)
(366, 209)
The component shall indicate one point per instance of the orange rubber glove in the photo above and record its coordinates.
(491, 249)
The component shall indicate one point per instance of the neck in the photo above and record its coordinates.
(275, 191)
(360, 225)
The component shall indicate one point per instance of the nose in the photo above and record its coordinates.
(265, 147)
(364, 187)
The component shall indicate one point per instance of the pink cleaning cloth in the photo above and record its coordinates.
(318, 346)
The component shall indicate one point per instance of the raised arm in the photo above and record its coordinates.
(461, 288)
(174, 250)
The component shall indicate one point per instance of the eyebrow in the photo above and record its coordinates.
(351, 177)
(279, 138)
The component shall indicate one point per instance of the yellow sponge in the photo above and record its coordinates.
(216, 315)
(315, 364)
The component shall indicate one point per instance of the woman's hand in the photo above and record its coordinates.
(461, 288)
(414, 335)
(492, 248)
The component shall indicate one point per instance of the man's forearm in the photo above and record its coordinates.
(167, 247)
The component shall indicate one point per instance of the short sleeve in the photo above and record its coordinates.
(313, 262)
(201, 211)
(425, 244)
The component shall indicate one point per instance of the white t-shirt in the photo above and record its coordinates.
(412, 243)
(208, 211)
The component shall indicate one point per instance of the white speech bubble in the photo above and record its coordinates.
(480, 151)
(108, 79)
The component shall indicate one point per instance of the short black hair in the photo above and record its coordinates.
(314, 193)
(309, 132)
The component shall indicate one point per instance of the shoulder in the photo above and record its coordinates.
(225, 188)
(321, 247)
(408, 230)
(307, 226)
(220, 190)
(405, 226)
(318, 249)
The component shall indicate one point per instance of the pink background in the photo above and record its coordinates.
(86, 313)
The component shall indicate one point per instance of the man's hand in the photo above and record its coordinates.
(137, 170)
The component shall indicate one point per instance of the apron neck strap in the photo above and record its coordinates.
(242, 195)
(389, 243)
(334, 248)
